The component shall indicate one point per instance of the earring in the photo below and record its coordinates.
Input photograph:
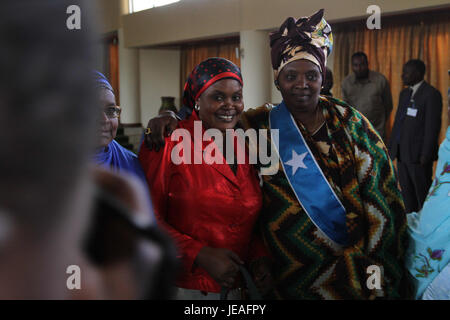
(197, 107)
(277, 84)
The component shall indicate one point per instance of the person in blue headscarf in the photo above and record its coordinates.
(428, 257)
(111, 154)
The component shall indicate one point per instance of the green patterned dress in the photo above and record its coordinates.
(353, 158)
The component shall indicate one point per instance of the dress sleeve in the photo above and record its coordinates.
(157, 167)
(384, 229)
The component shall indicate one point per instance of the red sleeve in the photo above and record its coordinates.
(157, 167)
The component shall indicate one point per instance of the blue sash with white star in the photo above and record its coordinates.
(305, 177)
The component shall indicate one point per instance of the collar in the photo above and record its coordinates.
(104, 150)
(415, 87)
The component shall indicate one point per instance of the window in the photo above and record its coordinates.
(139, 5)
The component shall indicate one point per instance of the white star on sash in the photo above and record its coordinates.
(297, 161)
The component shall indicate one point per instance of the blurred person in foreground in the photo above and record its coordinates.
(55, 211)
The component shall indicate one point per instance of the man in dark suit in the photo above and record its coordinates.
(414, 138)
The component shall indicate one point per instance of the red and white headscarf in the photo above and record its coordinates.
(207, 73)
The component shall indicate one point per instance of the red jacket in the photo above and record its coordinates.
(203, 205)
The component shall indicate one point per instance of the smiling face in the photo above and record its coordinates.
(107, 128)
(300, 82)
(221, 105)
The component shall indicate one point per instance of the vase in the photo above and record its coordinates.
(168, 103)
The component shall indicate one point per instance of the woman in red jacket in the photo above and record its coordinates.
(209, 209)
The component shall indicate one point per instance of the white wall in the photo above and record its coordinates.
(108, 14)
(256, 67)
(129, 83)
(275, 97)
(159, 75)
(196, 19)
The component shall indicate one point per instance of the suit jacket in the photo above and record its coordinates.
(417, 136)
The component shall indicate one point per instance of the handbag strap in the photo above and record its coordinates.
(252, 290)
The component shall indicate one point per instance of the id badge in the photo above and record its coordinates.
(411, 112)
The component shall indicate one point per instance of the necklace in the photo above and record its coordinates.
(320, 127)
(317, 119)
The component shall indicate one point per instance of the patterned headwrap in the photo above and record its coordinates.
(307, 38)
(101, 81)
(207, 73)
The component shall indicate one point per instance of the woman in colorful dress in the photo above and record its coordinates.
(428, 256)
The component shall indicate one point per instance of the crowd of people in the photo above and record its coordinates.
(147, 227)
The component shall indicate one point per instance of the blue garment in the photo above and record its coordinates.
(439, 289)
(101, 81)
(328, 214)
(117, 158)
(429, 250)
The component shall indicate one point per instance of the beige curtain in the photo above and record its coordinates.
(424, 36)
(192, 55)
